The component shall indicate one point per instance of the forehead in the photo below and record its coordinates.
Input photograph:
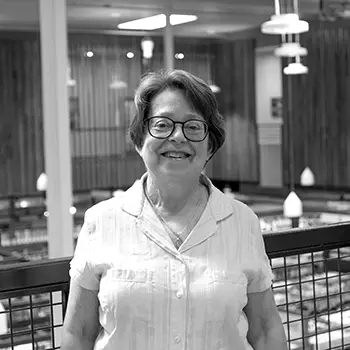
(172, 102)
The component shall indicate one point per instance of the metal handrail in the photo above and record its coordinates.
(300, 241)
(281, 244)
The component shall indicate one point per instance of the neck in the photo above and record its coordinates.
(172, 197)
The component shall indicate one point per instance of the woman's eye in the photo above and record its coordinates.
(193, 126)
(162, 125)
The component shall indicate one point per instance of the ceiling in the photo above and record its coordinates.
(215, 18)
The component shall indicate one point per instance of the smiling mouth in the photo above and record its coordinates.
(176, 155)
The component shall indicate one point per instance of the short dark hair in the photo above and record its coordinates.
(195, 90)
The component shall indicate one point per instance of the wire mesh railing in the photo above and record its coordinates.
(311, 288)
(313, 298)
(34, 319)
(312, 285)
(33, 299)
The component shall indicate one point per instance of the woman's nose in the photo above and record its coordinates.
(177, 134)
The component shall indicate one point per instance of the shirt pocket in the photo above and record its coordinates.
(126, 294)
(129, 275)
(229, 291)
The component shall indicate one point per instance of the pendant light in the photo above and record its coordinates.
(292, 206)
(214, 88)
(290, 48)
(295, 68)
(285, 23)
(70, 81)
(41, 182)
(307, 177)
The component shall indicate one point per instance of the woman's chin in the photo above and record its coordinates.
(180, 169)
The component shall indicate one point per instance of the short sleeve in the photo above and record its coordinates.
(262, 276)
(82, 265)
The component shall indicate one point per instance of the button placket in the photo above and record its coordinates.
(178, 314)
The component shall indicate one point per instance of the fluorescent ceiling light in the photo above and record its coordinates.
(156, 22)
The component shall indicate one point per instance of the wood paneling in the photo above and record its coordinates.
(234, 72)
(317, 110)
(101, 154)
(21, 141)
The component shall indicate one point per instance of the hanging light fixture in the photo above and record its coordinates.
(285, 23)
(147, 46)
(70, 81)
(290, 50)
(295, 68)
(41, 182)
(213, 87)
(307, 177)
(292, 206)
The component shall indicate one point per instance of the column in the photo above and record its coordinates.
(53, 38)
(168, 41)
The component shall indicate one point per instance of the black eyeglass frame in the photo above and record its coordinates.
(174, 125)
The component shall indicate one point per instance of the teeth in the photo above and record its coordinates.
(175, 155)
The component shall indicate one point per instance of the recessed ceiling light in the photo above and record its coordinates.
(179, 56)
(89, 54)
(156, 22)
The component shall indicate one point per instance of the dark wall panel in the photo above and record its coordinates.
(317, 110)
(234, 72)
(102, 155)
(21, 142)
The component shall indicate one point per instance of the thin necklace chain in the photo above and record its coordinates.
(177, 236)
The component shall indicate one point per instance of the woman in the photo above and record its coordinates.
(173, 263)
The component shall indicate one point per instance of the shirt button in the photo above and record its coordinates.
(177, 339)
(179, 295)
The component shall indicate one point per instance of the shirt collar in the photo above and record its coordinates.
(220, 205)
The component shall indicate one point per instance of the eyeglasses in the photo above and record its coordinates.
(194, 130)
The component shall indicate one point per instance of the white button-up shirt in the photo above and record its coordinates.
(153, 296)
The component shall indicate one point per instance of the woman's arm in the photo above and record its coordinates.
(266, 330)
(81, 322)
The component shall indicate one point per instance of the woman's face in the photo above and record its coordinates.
(175, 155)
